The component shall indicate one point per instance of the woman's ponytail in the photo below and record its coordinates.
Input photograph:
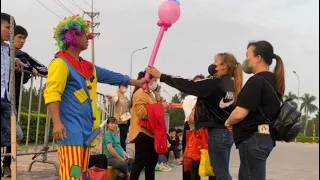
(279, 73)
(238, 80)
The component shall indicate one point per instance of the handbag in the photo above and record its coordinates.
(205, 168)
(197, 141)
(97, 174)
(125, 116)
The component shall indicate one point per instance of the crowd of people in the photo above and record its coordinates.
(218, 105)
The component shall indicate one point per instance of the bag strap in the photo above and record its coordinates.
(275, 93)
(264, 115)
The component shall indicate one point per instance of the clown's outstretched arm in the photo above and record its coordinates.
(55, 85)
(113, 78)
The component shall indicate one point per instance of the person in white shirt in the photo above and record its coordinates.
(121, 113)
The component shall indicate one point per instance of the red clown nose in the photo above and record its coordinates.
(90, 36)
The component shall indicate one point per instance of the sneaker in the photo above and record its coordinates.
(165, 169)
(170, 165)
(178, 162)
(6, 171)
(158, 167)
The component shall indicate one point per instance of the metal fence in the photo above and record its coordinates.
(48, 145)
(36, 151)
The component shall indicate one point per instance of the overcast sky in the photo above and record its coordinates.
(206, 27)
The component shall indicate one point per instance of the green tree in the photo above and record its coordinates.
(308, 107)
(35, 95)
(176, 114)
(313, 127)
(292, 97)
(182, 95)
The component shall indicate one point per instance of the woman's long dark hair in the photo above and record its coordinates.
(265, 50)
(140, 75)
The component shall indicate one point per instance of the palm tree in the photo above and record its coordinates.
(292, 97)
(308, 107)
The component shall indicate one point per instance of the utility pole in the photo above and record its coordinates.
(92, 15)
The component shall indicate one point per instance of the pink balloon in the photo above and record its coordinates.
(169, 11)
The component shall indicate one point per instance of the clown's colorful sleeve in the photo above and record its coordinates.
(113, 78)
(56, 81)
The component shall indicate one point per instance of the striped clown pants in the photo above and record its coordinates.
(73, 162)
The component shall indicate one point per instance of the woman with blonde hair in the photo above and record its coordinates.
(216, 97)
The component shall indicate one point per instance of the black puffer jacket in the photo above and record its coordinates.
(30, 63)
(215, 98)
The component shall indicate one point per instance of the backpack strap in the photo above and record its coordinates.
(275, 93)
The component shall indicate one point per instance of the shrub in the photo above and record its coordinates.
(33, 127)
(305, 139)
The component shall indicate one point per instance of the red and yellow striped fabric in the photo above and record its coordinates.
(69, 156)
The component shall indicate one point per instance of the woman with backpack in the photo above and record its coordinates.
(257, 101)
(216, 97)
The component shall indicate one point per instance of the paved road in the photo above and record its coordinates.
(287, 162)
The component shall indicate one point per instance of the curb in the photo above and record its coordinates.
(297, 142)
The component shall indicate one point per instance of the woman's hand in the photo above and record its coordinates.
(154, 72)
(158, 96)
(108, 96)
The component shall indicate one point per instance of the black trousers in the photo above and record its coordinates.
(99, 161)
(124, 128)
(7, 160)
(175, 151)
(185, 175)
(145, 157)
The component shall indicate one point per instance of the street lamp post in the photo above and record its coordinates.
(299, 97)
(131, 64)
(168, 94)
(298, 88)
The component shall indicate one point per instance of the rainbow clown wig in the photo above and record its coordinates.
(67, 30)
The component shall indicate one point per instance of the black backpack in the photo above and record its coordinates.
(287, 125)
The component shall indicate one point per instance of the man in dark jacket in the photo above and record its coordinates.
(32, 66)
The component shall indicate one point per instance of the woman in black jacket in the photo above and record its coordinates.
(216, 96)
(250, 127)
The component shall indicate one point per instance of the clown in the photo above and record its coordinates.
(71, 96)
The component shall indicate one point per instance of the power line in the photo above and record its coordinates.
(75, 4)
(62, 6)
(49, 9)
